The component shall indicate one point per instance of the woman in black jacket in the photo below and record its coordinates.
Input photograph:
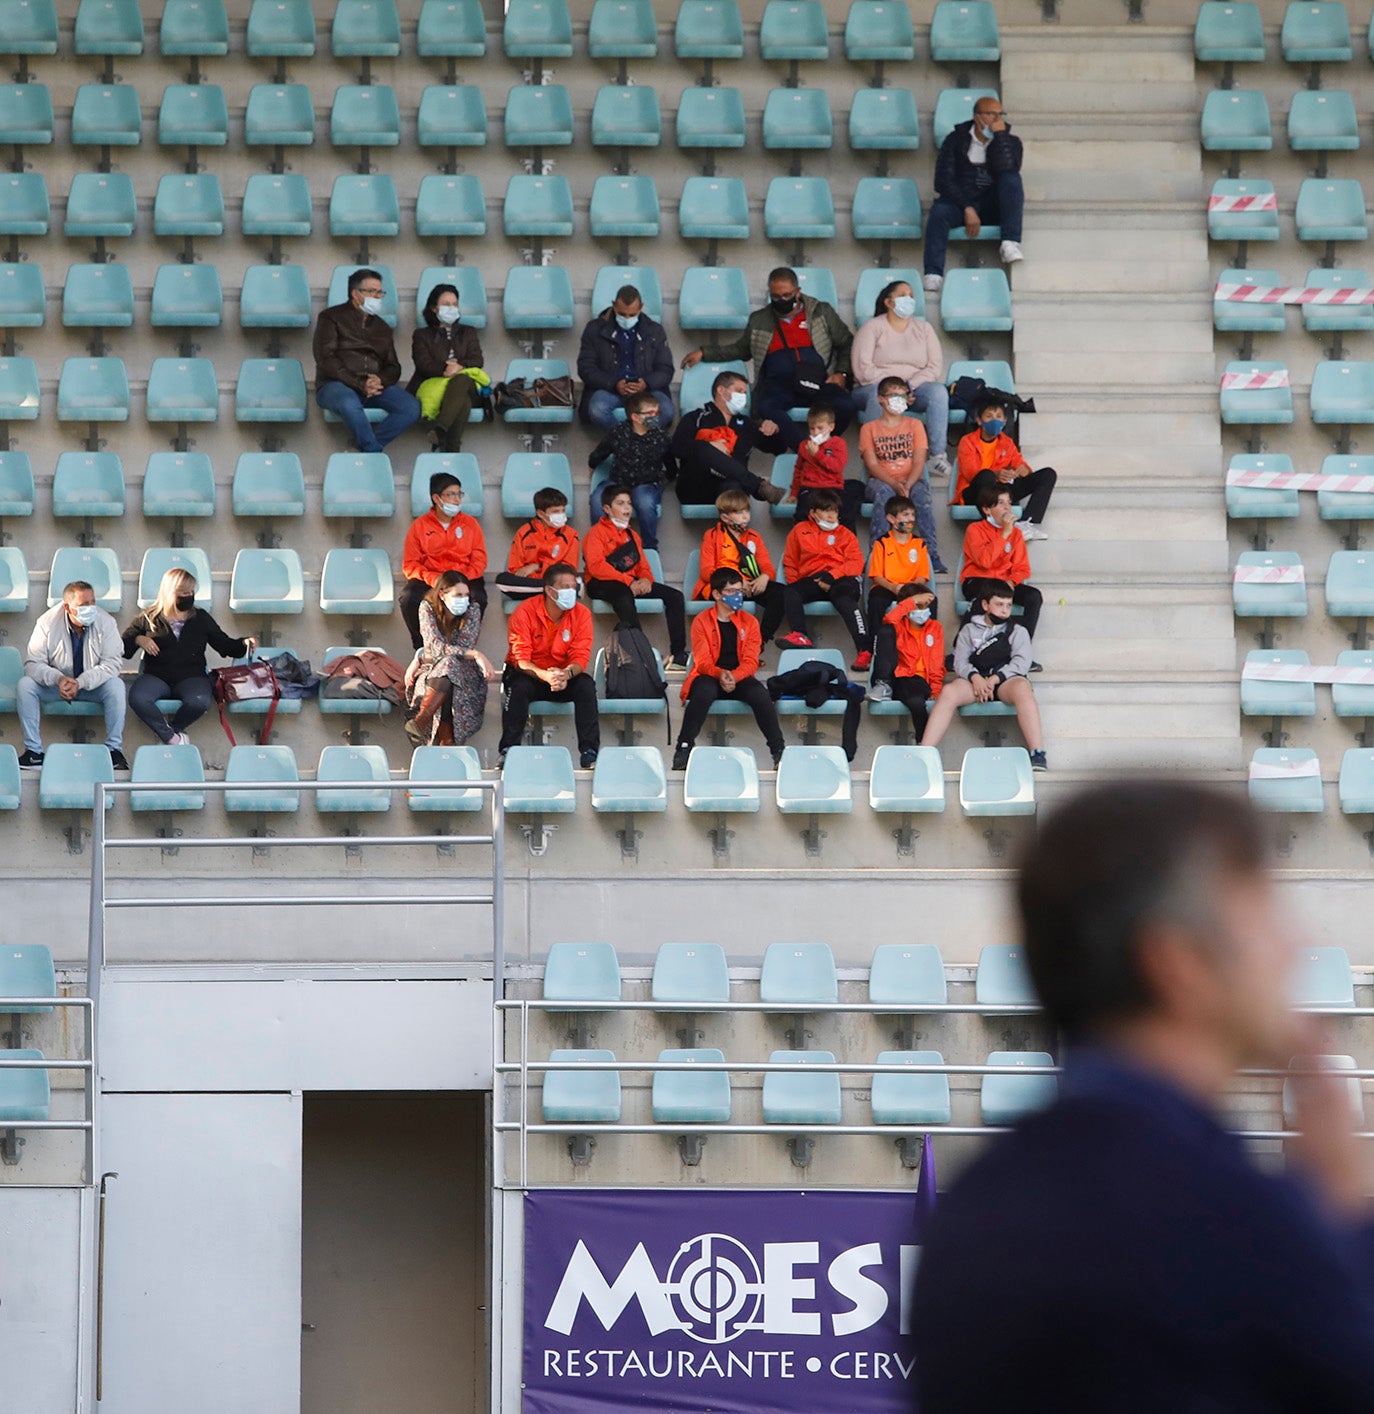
(442, 349)
(173, 635)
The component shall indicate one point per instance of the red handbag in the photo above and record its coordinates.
(247, 682)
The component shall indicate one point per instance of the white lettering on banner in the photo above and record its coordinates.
(910, 1258)
(870, 1299)
(693, 1365)
(637, 1282)
(781, 1289)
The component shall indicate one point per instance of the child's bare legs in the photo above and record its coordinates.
(1021, 695)
(956, 694)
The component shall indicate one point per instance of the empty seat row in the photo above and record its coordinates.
(1293, 694)
(1244, 209)
(1348, 499)
(1256, 316)
(1288, 781)
(1260, 391)
(1314, 32)
(1319, 120)
(1272, 584)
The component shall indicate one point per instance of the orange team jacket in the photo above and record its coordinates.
(920, 648)
(706, 646)
(989, 555)
(825, 467)
(811, 550)
(718, 551)
(900, 563)
(431, 547)
(536, 638)
(976, 455)
(603, 539)
(539, 544)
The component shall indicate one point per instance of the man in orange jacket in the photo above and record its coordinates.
(726, 642)
(909, 655)
(822, 560)
(444, 538)
(546, 539)
(731, 545)
(988, 457)
(995, 549)
(547, 661)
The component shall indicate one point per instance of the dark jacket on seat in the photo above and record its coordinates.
(954, 173)
(598, 358)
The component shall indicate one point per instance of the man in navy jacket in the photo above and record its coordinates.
(977, 181)
(1122, 1252)
(623, 352)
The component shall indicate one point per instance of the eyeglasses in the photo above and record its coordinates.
(369, 289)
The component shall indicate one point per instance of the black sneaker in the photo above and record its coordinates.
(1038, 762)
(31, 761)
(117, 759)
(777, 759)
(587, 760)
(1036, 668)
(680, 757)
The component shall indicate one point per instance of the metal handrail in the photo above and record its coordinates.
(86, 1066)
(555, 1004)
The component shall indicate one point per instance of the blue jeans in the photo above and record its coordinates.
(31, 695)
(402, 409)
(648, 504)
(606, 408)
(1001, 205)
(880, 493)
(929, 399)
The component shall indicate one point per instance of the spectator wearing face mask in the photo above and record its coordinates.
(623, 352)
(896, 561)
(444, 538)
(909, 655)
(994, 549)
(821, 462)
(893, 447)
(174, 635)
(711, 446)
(726, 646)
(822, 560)
(639, 446)
(447, 680)
(448, 368)
(988, 457)
(545, 540)
(731, 544)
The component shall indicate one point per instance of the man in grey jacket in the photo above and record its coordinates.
(75, 654)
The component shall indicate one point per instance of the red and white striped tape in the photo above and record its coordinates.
(1299, 481)
(1307, 672)
(1293, 294)
(1280, 770)
(1255, 380)
(1269, 574)
(1259, 201)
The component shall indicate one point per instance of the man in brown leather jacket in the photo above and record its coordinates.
(356, 367)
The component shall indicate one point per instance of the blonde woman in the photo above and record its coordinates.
(173, 635)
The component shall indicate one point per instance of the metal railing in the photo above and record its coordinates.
(90, 1084)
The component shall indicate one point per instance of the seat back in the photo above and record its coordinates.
(906, 779)
(187, 297)
(711, 118)
(798, 1098)
(267, 582)
(445, 763)
(88, 484)
(357, 582)
(539, 780)
(630, 780)
(800, 974)
(463, 465)
(528, 472)
(99, 567)
(70, 774)
(576, 1096)
(451, 29)
(1322, 978)
(158, 559)
(1007, 1098)
(537, 297)
(165, 764)
(581, 972)
(996, 781)
(280, 29)
(918, 1098)
(268, 484)
(98, 296)
(814, 780)
(258, 765)
(353, 764)
(722, 780)
(690, 974)
(907, 974)
(26, 970)
(684, 1097)
(1002, 978)
(359, 484)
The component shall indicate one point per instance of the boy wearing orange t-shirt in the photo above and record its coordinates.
(988, 457)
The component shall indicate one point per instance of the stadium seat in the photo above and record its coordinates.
(1249, 225)
(907, 975)
(537, 29)
(26, 116)
(955, 106)
(1229, 32)
(11, 798)
(100, 204)
(533, 368)
(799, 208)
(538, 115)
(1005, 1099)
(1261, 698)
(1315, 33)
(179, 484)
(695, 391)
(625, 115)
(995, 373)
(14, 580)
(279, 115)
(25, 1094)
(88, 484)
(275, 297)
(889, 209)
(26, 970)
(791, 658)
(163, 764)
(194, 29)
(791, 1097)
(451, 29)
(1260, 503)
(108, 27)
(1323, 978)
(1354, 699)
(797, 118)
(819, 282)
(1323, 120)
(798, 974)
(92, 390)
(30, 28)
(70, 774)
(363, 765)
(106, 115)
(365, 115)
(610, 278)
(158, 560)
(626, 707)
(98, 567)
(1235, 316)
(369, 29)
(1278, 600)
(624, 207)
(1286, 781)
(1236, 120)
(19, 396)
(280, 29)
(1337, 318)
(452, 207)
(684, 1097)
(1250, 406)
(472, 293)
(452, 765)
(1354, 1092)
(267, 582)
(539, 780)
(11, 670)
(975, 300)
(24, 206)
(1350, 587)
(463, 465)
(996, 780)
(270, 390)
(872, 282)
(186, 297)
(193, 115)
(574, 1096)
(1351, 507)
(578, 972)
(714, 208)
(918, 1098)
(182, 390)
(268, 484)
(364, 206)
(1331, 210)
(814, 780)
(794, 30)
(537, 297)
(1342, 392)
(188, 206)
(538, 206)
(965, 32)
(1002, 978)
(712, 297)
(710, 118)
(351, 707)
(721, 780)
(622, 29)
(452, 116)
(98, 297)
(906, 780)
(277, 205)
(629, 780)
(1356, 785)
(261, 766)
(338, 290)
(708, 29)
(16, 484)
(690, 974)
(884, 120)
(358, 485)
(357, 582)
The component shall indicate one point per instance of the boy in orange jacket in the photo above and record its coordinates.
(988, 457)
(726, 643)
(822, 560)
(909, 656)
(545, 540)
(994, 548)
(731, 544)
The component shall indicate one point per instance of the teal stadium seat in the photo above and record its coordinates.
(188, 206)
(260, 706)
(353, 707)
(182, 390)
(268, 484)
(538, 115)
(995, 373)
(463, 465)
(338, 291)
(576, 1096)
(918, 1098)
(1256, 224)
(1260, 600)
(537, 297)
(906, 780)
(1356, 785)
(357, 582)
(1235, 316)
(799, 208)
(98, 297)
(539, 780)
(88, 484)
(1286, 781)
(365, 115)
(996, 780)
(1261, 698)
(1350, 586)
(11, 670)
(14, 581)
(955, 106)
(884, 120)
(629, 780)
(196, 29)
(645, 605)
(1331, 210)
(794, 30)
(537, 206)
(99, 567)
(360, 766)
(609, 279)
(818, 281)
(163, 764)
(722, 780)
(262, 766)
(710, 117)
(179, 484)
(1342, 392)
(796, 119)
(625, 707)
(690, 974)
(622, 29)
(526, 473)
(267, 582)
(279, 115)
(798, 974)
(907, 975)
(108, 27)
(100, 204)
(452, 116)
(280, 29)
(1354, 1092)
(24, 206)
(1322, 978)
(685, 1097)
(626, 115)
(30, 28)
(537, 29)
(708, 29)
(533, 368)
(713, 297)
(714, 208)
(451, 29)
(16, 484)
(793, 1097)
(1333, 318)
(18, 390)
(1236, 120)
(624, 207)
(25, 1095)
(452, 765)
(26, 970)
(872, 281)
(277, 205)
(368, 29)
(364, 206)
(70, 774)
(26, 116)
(270, 390)
(887, 209)
(359, 485)
(159, 559)
(1251, 406)
(275, 297)
(1002, 978)
(93, 390)
(965, 32)
(580, 972)
(1353, 699)
(814, 780)
(1315, 33)
(695, 390)
(193, 115)
(879, 31)
(187, 297)
(1005, 1099)
(450, 206)
(791, 658)
(976, 300)
(1323, 120)
(1229, 32)
(1262, 503)
(106, 115)
(467, 280)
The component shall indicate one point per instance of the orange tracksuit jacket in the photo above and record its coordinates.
(976, 455)
(604, 538)
(718, 552)
(536, 638)
(706, 646)
(989, 555)
(541, 544)
(920, 649)
(811, 550)
(431, 547)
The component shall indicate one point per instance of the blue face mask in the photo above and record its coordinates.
(919, 616)
(565, 598)
(994, 425)
(627, 321)
(733, 602)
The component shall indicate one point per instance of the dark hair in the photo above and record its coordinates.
(892, 383)
(435, 599)
(547, 497)
(723, 576)
(986, 403)
(644, 399)
(915, 587)
(627, 294)
(885, 294)
(610, 492)
(556, 572)
(725, 378)
(783, 272)
(1107, 864)
(899, 503)
(76, 586)
(428, 314)
(993, 589)
(358, 276)
(825, 499)
(990, 495)
(441, 481)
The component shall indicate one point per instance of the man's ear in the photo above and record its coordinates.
(1176, 970)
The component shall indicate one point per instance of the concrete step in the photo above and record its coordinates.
(1036, 367)
(1118, 325)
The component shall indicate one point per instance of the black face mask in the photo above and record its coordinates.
(995, 618)
(784, 306)
(186, 601)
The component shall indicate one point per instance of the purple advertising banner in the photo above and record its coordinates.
(719, 1302)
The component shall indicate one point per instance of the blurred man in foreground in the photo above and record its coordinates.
(1121, 1251)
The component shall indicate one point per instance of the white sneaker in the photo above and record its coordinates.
(932, 283)
(938, 467)
(1031, 531)
(179, 739)
(1010, 252)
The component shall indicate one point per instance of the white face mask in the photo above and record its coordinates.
(565, 598)
(85, 613)
(897, 405)
(456, 604)
(372, 304)
(618, 523)
(737, 402)
(919, 616)
(448, 313)
(992, 519)
(904, 306)
(827, 524)
(450, 508)
(558, 519)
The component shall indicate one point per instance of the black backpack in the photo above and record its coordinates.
(631, 668)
